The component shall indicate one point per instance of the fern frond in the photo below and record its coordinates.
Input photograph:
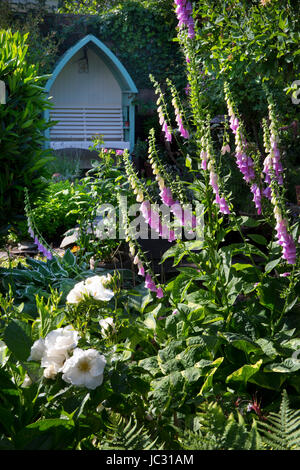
(218, 432)
(282, 430)
(125, 434)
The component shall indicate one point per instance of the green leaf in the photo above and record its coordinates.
(248, 221)
(46, 434)
(188, 162)
(69, 258)
(209, 379)
(241, 266)
(271, 265)
(244, 373)
(241, 342)
(27, 124)
(17, 337)
(175, 251)
(258, 238)
(268, 380)
(289, 365)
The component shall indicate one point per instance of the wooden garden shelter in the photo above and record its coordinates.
(92, 94)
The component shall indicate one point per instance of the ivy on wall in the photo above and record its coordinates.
(139, 34)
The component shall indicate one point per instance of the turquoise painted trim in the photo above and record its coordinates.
(131, 126)
(114, 63)
(47, 131)
(122, 76)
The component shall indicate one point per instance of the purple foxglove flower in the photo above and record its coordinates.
(166, 196)
(234, 123)
(168, 234)
(145, 209)
(168, 135)
(213, 179)
(223, 206)
(191, 31)
(171, 236)
(286, 241)
(141, 270)
(119, 152)
(267, 192)
(225, 149)
(49, 255)
(159, 293)
(203, 156)
(189, 8)
(245, 165)
(187, 89)
(177, 210)
(256, 197)
(184, 133)
(204, 165)
(188, 218)
(31, 232)
(165, 127)
(155, 222)
(149, 283)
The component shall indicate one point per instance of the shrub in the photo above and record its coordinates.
(22, 155)
(56, 210)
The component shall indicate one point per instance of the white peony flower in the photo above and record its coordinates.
(84, 369)
(58, 343)
(50, 372)
(54, 360)
(97, 289)
(77, 294)
(62, 339)
(37, 350)
(93, 286)
(107, 326)
(53, 350)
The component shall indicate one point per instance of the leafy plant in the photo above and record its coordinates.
(21, 135)
(219, 432)
(58, 208)
(38, 277)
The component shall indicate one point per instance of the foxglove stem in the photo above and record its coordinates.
(208, 164)
(244, 161)
(42, 248)
(273, 168)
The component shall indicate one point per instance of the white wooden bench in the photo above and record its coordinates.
(77, 126)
